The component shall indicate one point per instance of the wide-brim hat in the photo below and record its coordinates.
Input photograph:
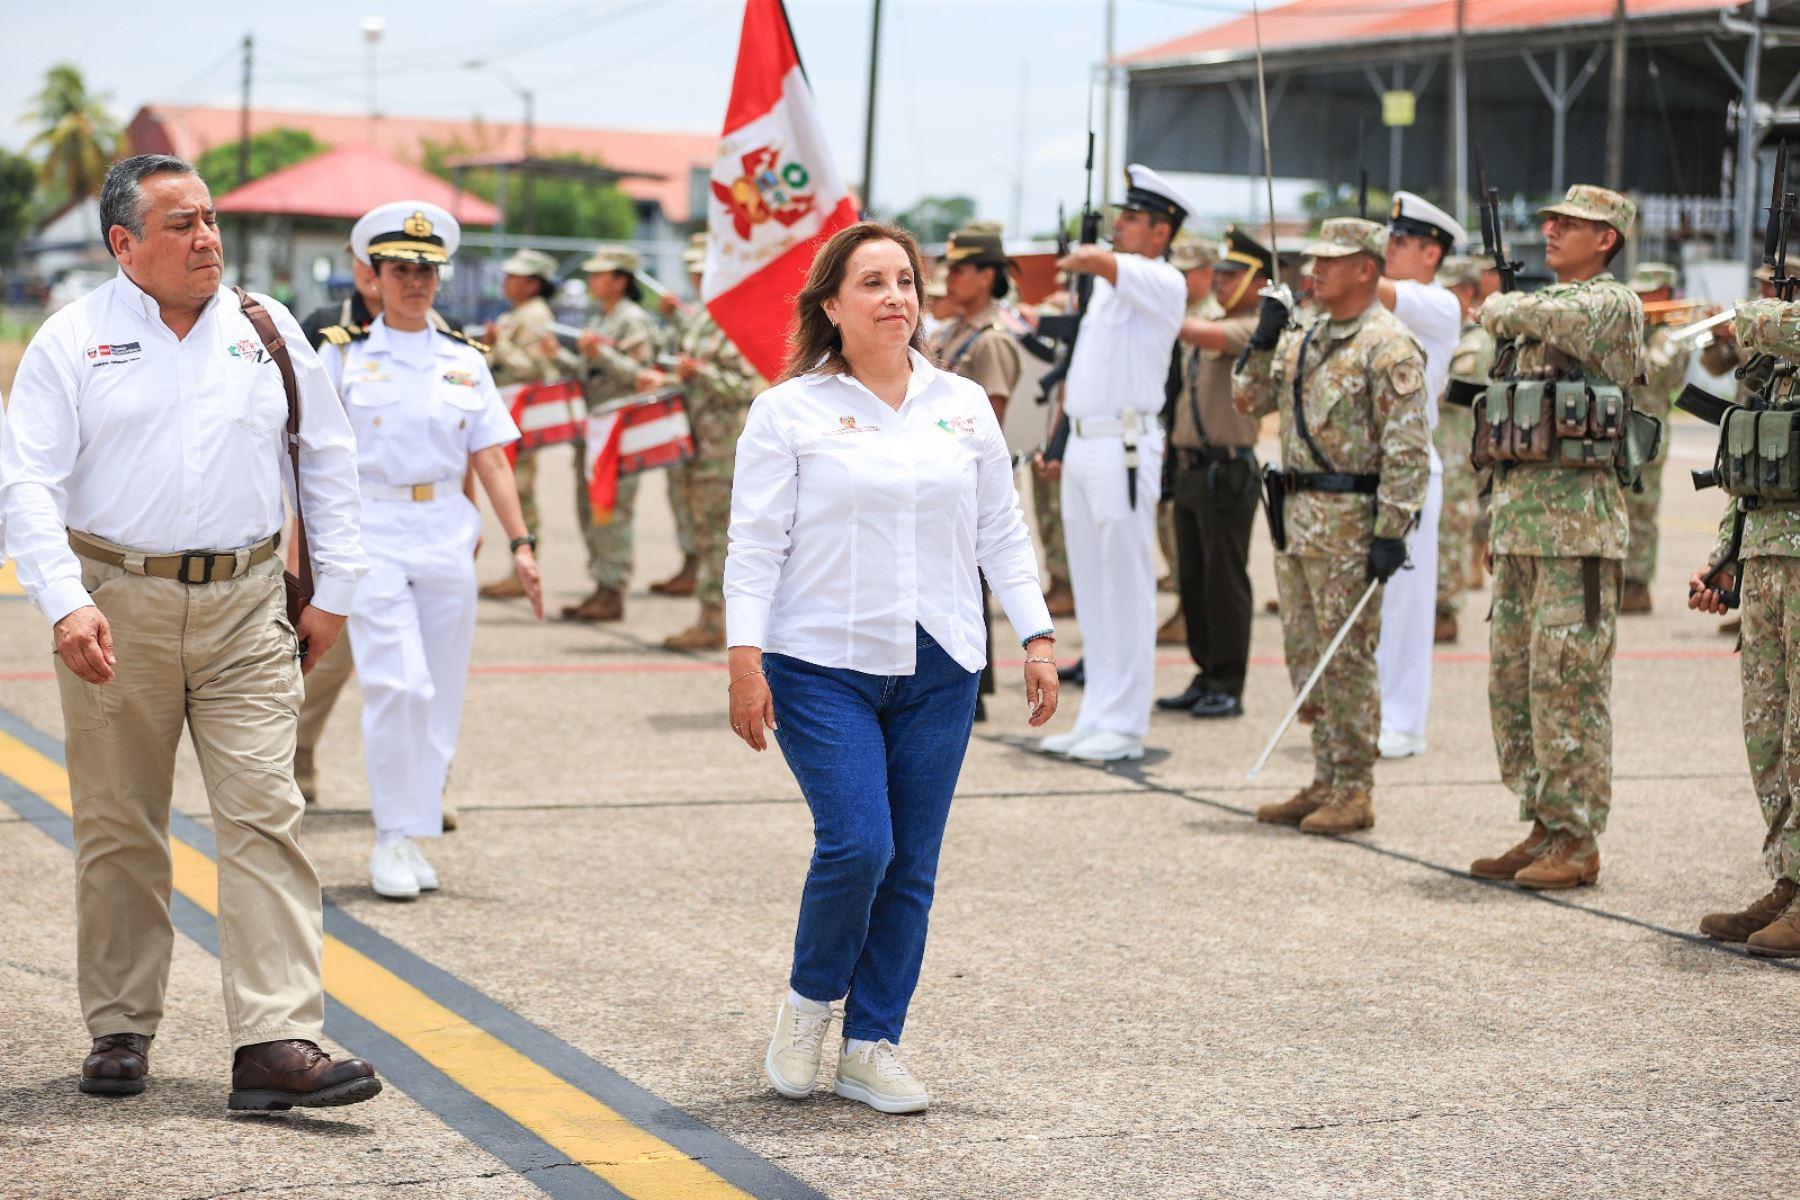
(612, 258)
(531, 264)
(406, 231)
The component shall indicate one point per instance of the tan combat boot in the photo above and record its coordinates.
(605, 604)
(1060, 599)
(507, 587)
(1567, 860)
(1780, 938)
(1635, 598)
(1298, 807)
(1738, 926)
(1173, 631)
(306, 775)
(1310, 712)
(1348, 812)
(1514, 860)
(1478, 552)
(681, 583)
(1445, 629)
(708, 633)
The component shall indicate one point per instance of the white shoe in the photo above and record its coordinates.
(1400, 745)
(422, 870)
(1106, 747)
(1062, 743)
(878, 1078)
(792, 1063)
(391, 873)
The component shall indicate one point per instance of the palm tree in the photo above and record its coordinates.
(77, 134)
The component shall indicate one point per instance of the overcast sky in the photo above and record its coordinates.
(947, 117)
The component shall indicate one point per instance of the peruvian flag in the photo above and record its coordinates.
(776, 194)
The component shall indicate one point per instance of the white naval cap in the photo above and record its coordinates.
(1150, 192)
(407, 231)
(1421, 218)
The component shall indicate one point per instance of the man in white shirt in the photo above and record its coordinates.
(1112, 467)
(141, 488)
(1419, 235)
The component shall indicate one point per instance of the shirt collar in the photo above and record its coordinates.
(382, 340)
(923, 374)
(145, 303)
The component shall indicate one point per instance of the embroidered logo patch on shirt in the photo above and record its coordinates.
(247, 350)
(849, 425)
(106, 354)
(461, 379)
(960, 426)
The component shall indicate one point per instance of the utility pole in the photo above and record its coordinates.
(372, 29)
(1615, 103)
(243, 163)
(1106, 111)
(1744, 171)
(1459, 118)
(529, 99)
(1017, 224)
(868, 171)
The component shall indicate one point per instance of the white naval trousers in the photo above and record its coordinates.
(1409, 625)
(1112, 568)
(413, 624)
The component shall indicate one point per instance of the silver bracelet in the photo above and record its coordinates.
(1049, 662)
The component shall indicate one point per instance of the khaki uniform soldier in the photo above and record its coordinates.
(1046, 508)
(717, 388)
(1665, 365)
(1355, 441)
(1559, 532)
(618, 344)
(1769, 568)
(1195, 258)
(1472, 359)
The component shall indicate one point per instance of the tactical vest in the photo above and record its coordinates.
(1559, 417)
(1759, 442)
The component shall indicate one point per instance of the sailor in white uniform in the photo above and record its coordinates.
(423, 407)
(1112, 467)
(1419, 235)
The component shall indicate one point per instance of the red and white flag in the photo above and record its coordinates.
(776, 194)
(629, 437)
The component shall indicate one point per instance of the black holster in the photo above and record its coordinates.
(1275, 491)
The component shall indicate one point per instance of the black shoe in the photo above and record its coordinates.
(980, 709)
(1076, 675)
(1195, 692)
(1217, 704)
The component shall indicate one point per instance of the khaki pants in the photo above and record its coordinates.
(323, 685)
(221, 658)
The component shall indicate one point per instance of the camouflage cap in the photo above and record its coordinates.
(1461, 270)
(534, 264)
(609, 257)
(993, 227)
(936, 288)
(1651, 277)
(1343, 236)
(1592, 203)
(695, 255)
(1190, 253)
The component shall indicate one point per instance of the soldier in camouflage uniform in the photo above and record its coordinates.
(672, 319)
(1769, 564)
(1354, 441)
(618, 345)
(522, 349)
(1665, 365)
(1046, 506)
(1559, 535)
(1472, 359)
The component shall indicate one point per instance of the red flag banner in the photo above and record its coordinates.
(547, 414)
(776, 193)
(629, 437)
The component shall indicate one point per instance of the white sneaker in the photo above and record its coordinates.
(422, 870)
(391, 873)
(878, 1078)
(1062, 743)
(1400, 745)
(1106, 747)
(792, 1063)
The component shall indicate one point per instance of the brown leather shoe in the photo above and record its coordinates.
(1310, 712)
(1566, 861)
(1173, 631)
(116, 1065)
(505, 588)
(283, 1075)
(1296, 808)
(306, 774)
(708, 633)
(1272, 605)
(1060, 599)
(1738, 926)
(1477, 566)
(1780, 938)
(1445, 630)
(681, 583)
(604, 604)
(1515, 860)
(1347, 813)
(1635, 598)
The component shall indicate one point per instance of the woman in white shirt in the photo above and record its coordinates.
(870, 488)
(423, 406)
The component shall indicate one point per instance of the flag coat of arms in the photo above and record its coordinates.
(629, 437)
(776, 195)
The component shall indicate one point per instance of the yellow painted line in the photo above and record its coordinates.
(588, 1132)
(9, 581)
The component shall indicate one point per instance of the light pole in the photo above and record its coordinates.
(525, 95)
(372, 29)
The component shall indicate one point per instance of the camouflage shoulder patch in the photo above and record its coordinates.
(458, 336)
(1406, 376)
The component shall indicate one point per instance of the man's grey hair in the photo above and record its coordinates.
(122, 200)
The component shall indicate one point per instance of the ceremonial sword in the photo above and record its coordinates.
(1306, 688)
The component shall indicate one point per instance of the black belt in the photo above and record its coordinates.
(1212, 456)
(1332, 481)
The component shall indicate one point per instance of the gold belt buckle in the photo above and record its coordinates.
(423, 491)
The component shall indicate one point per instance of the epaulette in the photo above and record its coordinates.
(465, 339)
(343, 335)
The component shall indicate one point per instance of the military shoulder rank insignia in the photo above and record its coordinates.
(465, 339)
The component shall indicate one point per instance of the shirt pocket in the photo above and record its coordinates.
(259, 402)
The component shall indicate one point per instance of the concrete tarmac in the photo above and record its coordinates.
(1131, 988)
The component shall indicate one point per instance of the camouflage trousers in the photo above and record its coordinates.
(704, 491)
(612, 545)
(680, 495)
(1317, 595)
(1640, 508)
(1550, 689)
(1770, 657)
(1462, 504)
(525, 472)
(1046, 503)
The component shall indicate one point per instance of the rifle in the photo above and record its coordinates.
(1464, 392)
(1067, 327)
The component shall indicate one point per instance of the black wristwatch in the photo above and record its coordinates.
(529, 539)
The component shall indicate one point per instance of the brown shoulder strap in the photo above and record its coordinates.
(276, 345)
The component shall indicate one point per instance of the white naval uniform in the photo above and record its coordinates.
(1119, 372)
(1409, 601)
(421, 404)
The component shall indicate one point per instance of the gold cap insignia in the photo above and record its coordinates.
(1395, 215)
(417, 226)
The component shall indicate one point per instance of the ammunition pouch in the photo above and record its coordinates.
(1563, 422)
(1759, 454)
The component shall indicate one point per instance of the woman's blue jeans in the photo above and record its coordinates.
(877, 758)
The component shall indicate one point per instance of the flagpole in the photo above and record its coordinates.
(868, 171)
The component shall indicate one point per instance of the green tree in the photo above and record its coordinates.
(935, 218)
(564, 207)
(18, 187)
(270, 151)
(77, 135)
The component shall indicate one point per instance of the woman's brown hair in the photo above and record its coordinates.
(812, 336)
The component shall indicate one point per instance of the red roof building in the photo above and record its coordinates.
(343, 184)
